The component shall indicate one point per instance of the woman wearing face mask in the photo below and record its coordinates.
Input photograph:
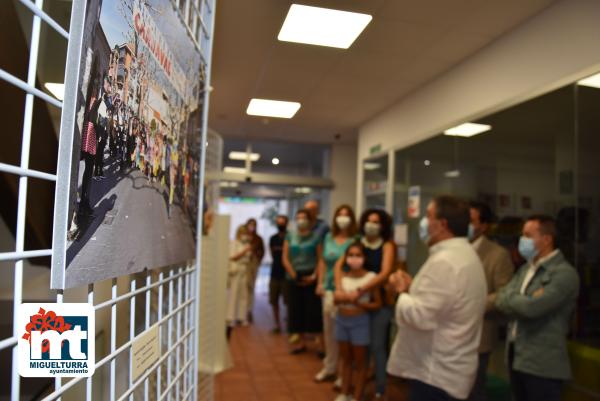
(352, 323)
(301, 253)
(380, 254)
(258, 251)
(342, 234)
(239, 262)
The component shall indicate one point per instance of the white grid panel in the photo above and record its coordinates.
(174, 291)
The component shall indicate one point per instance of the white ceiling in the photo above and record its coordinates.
(407, 44)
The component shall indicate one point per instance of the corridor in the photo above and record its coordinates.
(263, 368)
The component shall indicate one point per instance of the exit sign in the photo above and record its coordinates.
(375, 149)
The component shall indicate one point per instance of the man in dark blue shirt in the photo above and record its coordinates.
(277, 283)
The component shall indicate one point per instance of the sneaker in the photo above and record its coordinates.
(337, 384)
(342, 397)
(324, 375)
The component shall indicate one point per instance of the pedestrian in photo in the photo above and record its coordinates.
(301, 253)
(352, 323)
(88, 152)
(540, 301)
(498, 269)
(239, 264)
(439, 314)
(380, 253)
(258, 252)
(277, 284)
(103, 126)
(343, 233)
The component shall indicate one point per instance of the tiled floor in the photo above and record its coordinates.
(264, 369)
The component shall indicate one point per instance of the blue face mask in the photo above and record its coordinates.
(471, 232)
(424, 229)
(527, 248)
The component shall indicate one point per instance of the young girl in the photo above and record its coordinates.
(352, 324)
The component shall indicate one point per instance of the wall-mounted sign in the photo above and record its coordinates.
(414, 202)
(129, 157)
(375, 149)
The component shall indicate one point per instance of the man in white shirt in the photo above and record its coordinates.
(440, 313)
(540, 299)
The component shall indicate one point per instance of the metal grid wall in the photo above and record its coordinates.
(174, 292)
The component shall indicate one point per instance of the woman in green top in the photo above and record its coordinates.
(301, 253)
(342, 234)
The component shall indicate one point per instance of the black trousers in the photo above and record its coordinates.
(478, 393)
(86, 180)
(305, 313)
(528, 387)
(419, 391)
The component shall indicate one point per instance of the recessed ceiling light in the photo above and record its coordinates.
(452, 174)
(371, 166)
(467, 130)
(302, 190)
(57, 90)
(275, 161)
(272, 108)
(427, 163)
(228, 184)
(234, 170)
(592, 82)
(243, 156)
(322, 26)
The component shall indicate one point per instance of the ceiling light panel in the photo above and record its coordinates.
(234, 170)
(592, 82)
(467, 130)
(57, 90)
(272, 108)
(322, 26)
(244, 156)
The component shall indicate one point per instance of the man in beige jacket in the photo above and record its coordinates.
(498, 269)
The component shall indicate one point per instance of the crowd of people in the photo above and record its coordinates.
(347, 292)
(133, 143)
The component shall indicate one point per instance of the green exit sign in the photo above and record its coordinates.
(375, 149)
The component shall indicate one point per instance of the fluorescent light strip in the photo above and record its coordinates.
(467, 130)
(234, 170)
(57, 90)
(244, 156)
(272, 108)
(592, 82)
(371, 166)
(322, 26)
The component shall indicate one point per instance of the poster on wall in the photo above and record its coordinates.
(414, 202)
(129, 155)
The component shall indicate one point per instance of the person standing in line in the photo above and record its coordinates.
(352, 325)
(440, 313)
(320, 227)
(540, 299)
(380, 253)
(498, 269)
(258, 252)
(336, 242)
(239, 261)
(301, 253)
(277, 281)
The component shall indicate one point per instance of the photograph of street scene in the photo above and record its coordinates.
(134, 187)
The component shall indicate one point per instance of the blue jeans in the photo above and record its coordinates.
(380, 334)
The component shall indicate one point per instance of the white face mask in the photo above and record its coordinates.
(343, 222)
(302, 224)
(355, 262)
(372, 229)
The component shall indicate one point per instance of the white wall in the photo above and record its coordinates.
(343, 174)
(556, 47)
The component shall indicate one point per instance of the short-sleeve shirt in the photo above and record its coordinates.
(321, 229)
(276, 247)
(303, 251)
(332, 251)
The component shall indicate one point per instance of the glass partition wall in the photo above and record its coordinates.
(538, 157)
